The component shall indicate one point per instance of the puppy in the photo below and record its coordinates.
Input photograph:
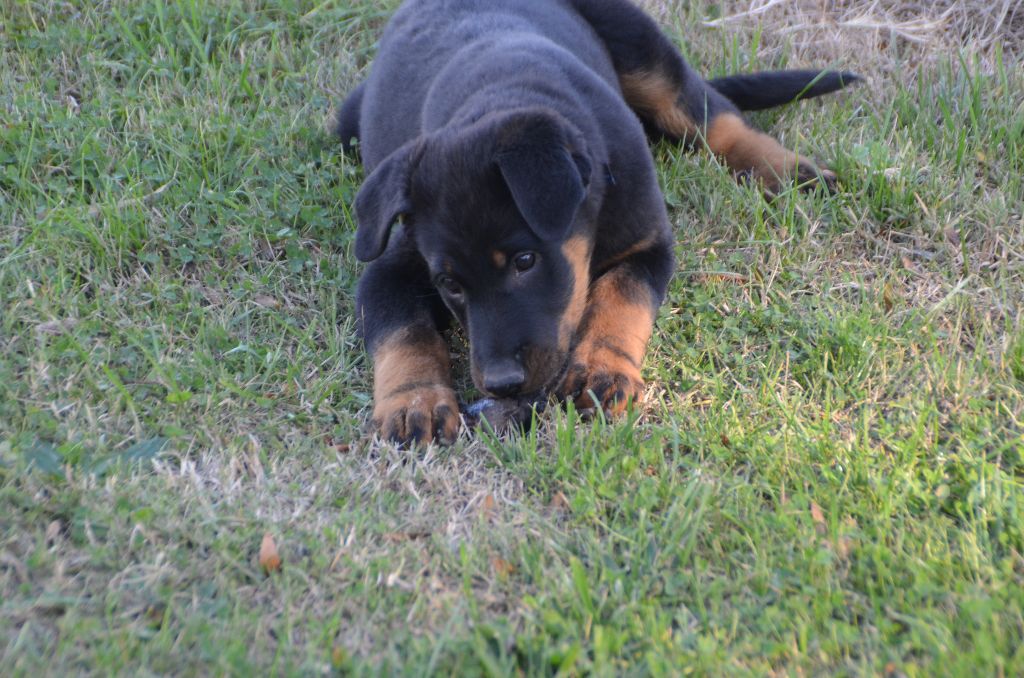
(510, 186)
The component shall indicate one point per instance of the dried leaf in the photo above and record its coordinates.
(270, 560)
(489, 506)
(337, 445)
(843, 546)
(560, 502)
(502, 567)
(818, 516)
(888, 297)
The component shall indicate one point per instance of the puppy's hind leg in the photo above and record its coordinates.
(674, 101)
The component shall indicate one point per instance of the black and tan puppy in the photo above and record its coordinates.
(510, 185)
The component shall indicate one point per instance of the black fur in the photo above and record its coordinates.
(547, 180)
(494, 133)
(347, 124)
(384, 197)
(768, 89)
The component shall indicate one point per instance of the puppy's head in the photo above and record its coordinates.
(497, 210)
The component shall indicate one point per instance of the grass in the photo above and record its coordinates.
(826, 477)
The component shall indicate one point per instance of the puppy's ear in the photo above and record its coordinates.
(546, 169)
(383, 197)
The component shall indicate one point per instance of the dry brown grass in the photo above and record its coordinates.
(821, 30)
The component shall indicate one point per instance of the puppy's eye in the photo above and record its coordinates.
(448, 284)
(524, 261)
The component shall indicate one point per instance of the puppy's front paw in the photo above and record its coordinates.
(418, 413)
(613, 379)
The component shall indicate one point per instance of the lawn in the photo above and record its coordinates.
(826, 477)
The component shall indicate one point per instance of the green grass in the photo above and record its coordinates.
(826, 478)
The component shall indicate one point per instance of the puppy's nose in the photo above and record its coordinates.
(504, 379)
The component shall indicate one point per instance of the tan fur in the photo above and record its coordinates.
(412, 387)
(617, 320)
(656, 95)
(619, 323)
(577, 251)
(499, 259)
(744, 148)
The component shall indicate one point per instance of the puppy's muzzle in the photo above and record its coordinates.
(503, 379)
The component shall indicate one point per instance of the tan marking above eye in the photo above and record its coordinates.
(499, 258)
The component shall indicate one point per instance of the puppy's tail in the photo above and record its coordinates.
(767, 89)
(346, 124)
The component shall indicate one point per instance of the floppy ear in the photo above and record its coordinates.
(547, 180)
(383, 197)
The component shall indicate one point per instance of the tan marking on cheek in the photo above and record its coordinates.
(744, 148)
(404, 360)
(576, 250)
(656, 95)
(499, 259)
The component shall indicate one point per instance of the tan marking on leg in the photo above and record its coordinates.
(499, 259)
(403, 359)
(577, 251)
(658, 97)
(412, 393)
(745, 149)
(615, 318)
(618, 324)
